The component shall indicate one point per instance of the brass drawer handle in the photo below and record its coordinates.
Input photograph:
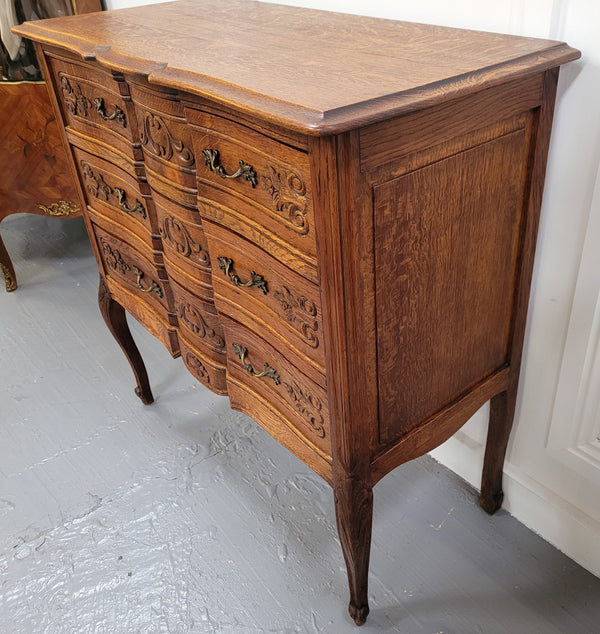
(213, 162)
(241, 353)
(226, 265)
(136, 208)
(153, 288)
(99, 188)
(116, 115)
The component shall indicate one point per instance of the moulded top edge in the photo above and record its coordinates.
(315, 72)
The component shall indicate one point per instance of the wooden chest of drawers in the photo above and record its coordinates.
(332, 219)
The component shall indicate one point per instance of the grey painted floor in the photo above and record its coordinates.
(184, 516)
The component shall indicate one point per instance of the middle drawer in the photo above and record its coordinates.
(115, 194)
(262, 293)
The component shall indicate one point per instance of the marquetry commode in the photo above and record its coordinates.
(330, 218)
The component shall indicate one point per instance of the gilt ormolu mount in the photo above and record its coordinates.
(358, 230)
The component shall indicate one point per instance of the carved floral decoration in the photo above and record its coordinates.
(288, 192)
(196, 367)
(308, 406)
(77, 103)
(301, 313)
(113, 258)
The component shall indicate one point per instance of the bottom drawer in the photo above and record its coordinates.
(133, 269)
(205, 368)
(139, 286)
(264, 376)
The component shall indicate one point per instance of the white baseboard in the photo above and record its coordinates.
(555, 519)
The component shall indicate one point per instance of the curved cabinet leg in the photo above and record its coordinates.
(8, 271)
(502, 412)
(114, 316)
(354, 514)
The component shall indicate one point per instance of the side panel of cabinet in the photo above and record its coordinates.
(446, 246)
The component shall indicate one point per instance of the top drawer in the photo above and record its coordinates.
(250, 182)
(169, 161)
(94, 104)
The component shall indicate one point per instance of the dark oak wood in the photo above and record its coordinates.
(35, 175)
(340, 220)
(115, 318)
(452, 252)
(354, 513)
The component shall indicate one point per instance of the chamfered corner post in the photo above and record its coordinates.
(116, 320)
(342, 207)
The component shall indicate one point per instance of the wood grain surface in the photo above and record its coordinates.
(359, 294)
(331, 72)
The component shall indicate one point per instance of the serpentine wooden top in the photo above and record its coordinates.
(312, 71)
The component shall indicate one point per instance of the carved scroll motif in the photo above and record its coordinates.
(301, 313)
(196, 367)
(308, 406)
(288, 192)
(157, 139)
(193, 319)
(176, 235)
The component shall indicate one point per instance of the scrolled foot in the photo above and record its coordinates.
(358, 614)
(145, 395)
(490, 503)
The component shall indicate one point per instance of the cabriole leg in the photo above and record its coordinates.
(502, 412)
(114, 316)
(10, 279)
(354, 514)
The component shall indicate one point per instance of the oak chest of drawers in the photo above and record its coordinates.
(330, 218)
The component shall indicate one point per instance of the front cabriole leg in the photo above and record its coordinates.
(114, 316)
(354, 514)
